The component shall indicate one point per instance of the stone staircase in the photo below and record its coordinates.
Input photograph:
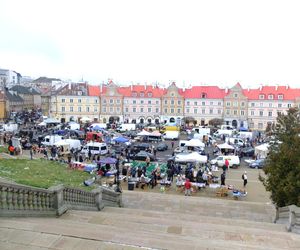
(154, 221)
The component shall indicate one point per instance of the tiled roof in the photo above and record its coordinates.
(93, 90)
(287, 92)
(24, 90)
(13, 97)
(128, 91)
(212, 92)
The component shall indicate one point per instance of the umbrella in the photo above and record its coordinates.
(108, 160)
(121, 139)
(97, 128)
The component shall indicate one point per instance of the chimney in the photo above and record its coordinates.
(287, 87)
(276, 87)
(69, 85)
(248, 88)
(226, 90)
(131, 86)
(145, 85)
(260, 87)
(101, 87)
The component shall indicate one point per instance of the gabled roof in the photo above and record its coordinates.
(138, 89)
(212, 92)
(24, 90)
(13, 97)
(288, 93)
(93, 90)
(44, 79)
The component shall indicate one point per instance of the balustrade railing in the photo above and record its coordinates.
(20, 200)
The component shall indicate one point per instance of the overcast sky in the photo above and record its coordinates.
(218, 42)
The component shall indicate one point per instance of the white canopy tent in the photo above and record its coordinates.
(195, 143)
(225, 146)
(85, 119)
(191, 157)
(144, 133)
(262, 150)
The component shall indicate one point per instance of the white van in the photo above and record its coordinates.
(200, 130)
(171, 135)
(126, 127)
(95, 148)
(221, 132)
(235, 141)
(51, 140)
(234, 161)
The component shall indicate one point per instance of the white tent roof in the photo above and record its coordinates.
(191, 157)
(144, 132)
(262, 147)
(156, 133)
(51, 120)
(85, 119)
(62, 143)
(195, 143)
(42, 124)
(225, 146)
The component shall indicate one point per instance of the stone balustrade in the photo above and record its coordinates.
(20, 200)
(290, 216)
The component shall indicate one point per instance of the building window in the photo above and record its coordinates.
(219, 111)
(252, 104)
(211, 111)
(228, 104)
(134, 102)
(279, 113)
(104, 109)
(141, 110)
(203, 95)
(142, 94)
(219, 103)
(157, 102)
(235, 104)
(252, 112)
(270, 105)
(279, 105)
(261, 113)
(166, 111)
(149, 94)
(118, 101)
(188, 103)
(187, 110)
(243, 104)
(157, 110)
(261, 97)
(134, 94)
(261, 104)
(118, 109)
(172, 111)
(149, 102)
(227, 111)
(87, 100)
(95, 109)
(104, 101)
(71, 100)
(270, 113)
(126, 110)
(203, 103)
(79, 100)
(179, 102)
(195, 103)
(87, 109)
(178, 111)
(235, 95)
(111, 109)
(79, 109)
(280, 97)
(166, 101)
(251, 125)
(235, 112)
(63, 100)
(242, 112)
(211, 103)
(71, 109)
(260, 125)
(172, 102)
(111, 101)
(203, 111)
(149, 110)
(134, 110)
(289, 105)
(195, 111)
(63, 109)
(270, 97)
(96, 100)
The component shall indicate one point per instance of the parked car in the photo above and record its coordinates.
(260, 163)
(248, 151)
(141, 147)
(162, 147)
(141, 156)
(131, 134)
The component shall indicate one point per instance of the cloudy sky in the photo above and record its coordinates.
(191, 42)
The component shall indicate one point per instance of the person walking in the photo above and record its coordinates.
(172, 144)
(245, 178)
(227, 164)
(188, 187)
(223, 177)
(31, 153)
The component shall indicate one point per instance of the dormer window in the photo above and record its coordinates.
(142, 94)
(134, 94)
(261, 96)
(270, 97)
(280, 96)
(149, 94)
(203, 95)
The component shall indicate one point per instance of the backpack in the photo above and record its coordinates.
(243, 176)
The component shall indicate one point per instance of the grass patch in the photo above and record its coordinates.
(42, 173)
(3, 149)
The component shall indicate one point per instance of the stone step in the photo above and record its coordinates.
(156, 236)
